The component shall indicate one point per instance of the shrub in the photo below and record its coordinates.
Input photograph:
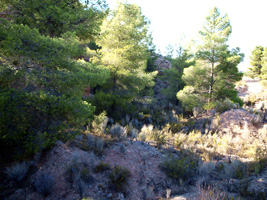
(102, 166)
(99, 123)
(86, 176)
(176, 126)
(44, 183)
(134, 133)
(225, 105)
(261, 157)
(210, 193)
(210, 106)
(159, 137)
(146, 132)
(119, 177)
(92, 143)
(179, 140)
(17, 172)
(43, 118)
(182, 168)
(239, 168)
(206, 168)
(118, 131)
(98, 146)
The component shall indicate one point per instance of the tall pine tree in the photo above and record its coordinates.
(41, 80)
(124, 42)
(216, 71)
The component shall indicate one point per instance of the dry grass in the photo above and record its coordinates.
(209, 145)
(210, 193)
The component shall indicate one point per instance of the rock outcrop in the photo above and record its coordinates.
(161, 65)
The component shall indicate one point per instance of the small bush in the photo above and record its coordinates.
(227, 104)
(98, 146)
(145, 133)
(92, 144)
(180, 168)
(102, 166)
(239, 168)
(159, 137)
(210, 106)
(99, 123)
(86, 176)
(44, 183)
(17, 172)
(261, 157)
(118, 131)
(176, 126)
(210, 193)
(119, 177)
(206, 168)
(134, 133)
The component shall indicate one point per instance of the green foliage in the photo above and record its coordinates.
(151, 67)
(118, 177)
(125, 57)
(102, 166)
(115, 105)
(225, 105)
(99, 123)
(174, 74)
(40, 119)
(189, 98)
(264, 65)
(216, 71)
(261, 158)
(182, 168)
(54, 18)
(41, 81)
(256, 61)
(210, 106)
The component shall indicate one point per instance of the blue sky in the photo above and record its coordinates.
(178, 21)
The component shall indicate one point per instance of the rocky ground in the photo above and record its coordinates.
(72, 171)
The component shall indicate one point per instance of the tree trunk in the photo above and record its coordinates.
(211, 82)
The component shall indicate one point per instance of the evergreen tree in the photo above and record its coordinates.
(174, 74)
(41, 79)
(256, 61)
(216, 71)
(263, 75)
(124, 40)
(214, 36)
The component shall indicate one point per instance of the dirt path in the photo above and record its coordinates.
(253, 86)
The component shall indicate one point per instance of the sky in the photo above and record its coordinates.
(178, 21)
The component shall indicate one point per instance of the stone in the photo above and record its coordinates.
(110, 196)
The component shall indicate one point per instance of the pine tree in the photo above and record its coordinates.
(124, 42)
(174, 74)
(263, 75)
(256, 61)
(214, 36)
(213, 78)
(41, 79)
